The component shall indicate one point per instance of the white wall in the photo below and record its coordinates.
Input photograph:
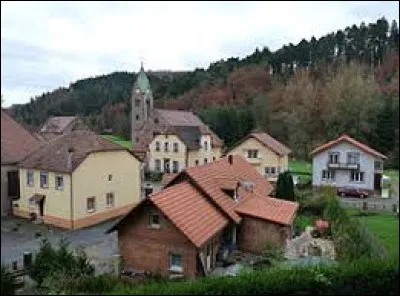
(342, 176)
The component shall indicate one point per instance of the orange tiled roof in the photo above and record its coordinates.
(190, 212)
(214, 177)
(351, 141)
(167, 177)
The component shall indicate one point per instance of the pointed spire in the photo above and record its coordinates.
(141, 66)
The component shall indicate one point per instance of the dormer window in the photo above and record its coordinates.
(231, 192)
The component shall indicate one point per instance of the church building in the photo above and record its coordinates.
(169, 140)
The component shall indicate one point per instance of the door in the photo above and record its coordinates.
(41, 207)
(166, 165)
(208, 255)
(13, 184)
(377, 181)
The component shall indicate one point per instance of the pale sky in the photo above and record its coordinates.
(46, 45)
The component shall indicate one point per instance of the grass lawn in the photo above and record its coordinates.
(300, 166)
(385, 227)
(118, 140)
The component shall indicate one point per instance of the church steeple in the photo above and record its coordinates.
(142, 101)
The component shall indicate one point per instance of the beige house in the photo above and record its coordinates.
(77, 180)
(172, 152)
(265, 153)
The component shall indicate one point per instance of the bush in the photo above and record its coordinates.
(313, 205)
(284, 187)
(153, 176)
(8, 282)
(366, 277)
(49, 261)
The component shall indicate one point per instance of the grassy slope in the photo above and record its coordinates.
(385, 227)
(118, 140)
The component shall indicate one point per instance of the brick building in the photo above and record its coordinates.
(202, 212)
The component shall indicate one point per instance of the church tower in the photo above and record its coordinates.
(142, 103)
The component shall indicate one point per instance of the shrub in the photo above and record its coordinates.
(284, 186)
(49, 261)
(313, 205)
(8, 282)
(366, 277)
(153, 176)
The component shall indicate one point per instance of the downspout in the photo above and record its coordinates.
(69, 167)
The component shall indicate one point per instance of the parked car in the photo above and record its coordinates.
(352, 191)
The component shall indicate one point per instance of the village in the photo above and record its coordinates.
(200, 148)
(184, 205)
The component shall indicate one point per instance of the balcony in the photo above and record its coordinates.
(344, 166)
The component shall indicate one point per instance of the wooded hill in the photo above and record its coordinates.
(305, 94)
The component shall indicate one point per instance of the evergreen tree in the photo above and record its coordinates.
(285, 187)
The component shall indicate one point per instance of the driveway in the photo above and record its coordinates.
(14, 242)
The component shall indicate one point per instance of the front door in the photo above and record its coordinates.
(13, 184)
(377, 181)
(166, 165)
(41, 207)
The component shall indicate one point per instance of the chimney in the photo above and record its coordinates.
(69, 159)
(230, 159)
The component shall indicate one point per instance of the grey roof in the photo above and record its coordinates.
(190, 135)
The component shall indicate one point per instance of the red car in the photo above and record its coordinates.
(352, 191)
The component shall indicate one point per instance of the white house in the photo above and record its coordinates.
(347, 162)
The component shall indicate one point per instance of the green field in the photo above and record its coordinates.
(118, 140)
(385, 227)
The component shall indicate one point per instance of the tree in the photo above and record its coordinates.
(285, 187)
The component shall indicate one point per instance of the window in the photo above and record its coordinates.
(137, 117)
(109, 177)
(175, 262)
(43, 180)
(334, 157)
(252, 153)
(29, 178)
(356, 176)
(175, 147)
(353, 157)
(378, 165)
(205, 160)
(154, 221)
(109, 200)
(157, 165)
(175, 166)
(196, 162)
(205, 145)
(155, 120)
(90, 204)
(157, 146)
(166, 147)
(59, 182)
(328, 175)
(270, 171)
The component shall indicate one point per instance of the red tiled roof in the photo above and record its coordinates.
(16, 141)
(351, 141)
(54, 155)
(167, 177)
(212, 178)
(268, 142)
(268, 208)
(190, 212)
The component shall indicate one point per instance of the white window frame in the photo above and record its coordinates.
(154, 225)
(176, 147)
(176, 268)
(92, 210)
(358, 156)
(108, 195)
(158, 146)
(32, 174)
(330, 175)
(45, 185)
(205, 146)
(357, 177)
(56, 177)
(175, 164)
(166, 147)
(252, 153)
(157, 165)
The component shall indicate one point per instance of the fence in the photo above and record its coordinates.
(375, 206)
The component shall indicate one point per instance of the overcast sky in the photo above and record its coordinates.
(45, 45)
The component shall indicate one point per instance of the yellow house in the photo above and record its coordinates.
(78, 180)
(269, 156)
(181, 147)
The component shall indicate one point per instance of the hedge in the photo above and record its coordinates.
(362, 277)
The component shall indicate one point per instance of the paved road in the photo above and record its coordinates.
(93, 239)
